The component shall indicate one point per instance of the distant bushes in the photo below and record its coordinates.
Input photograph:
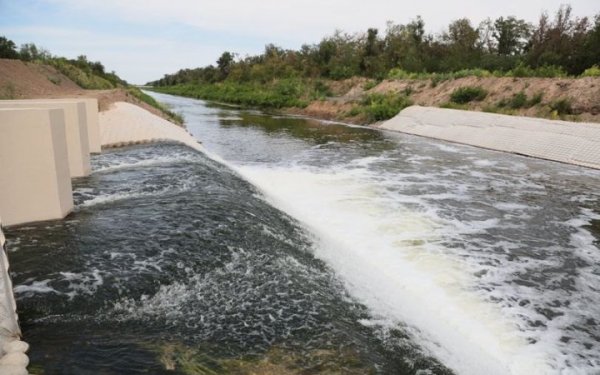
(280, 94)
(520, 71)
(468, 94)
(82, 78)
(546, 71)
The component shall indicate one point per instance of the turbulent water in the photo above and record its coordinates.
(310, 247)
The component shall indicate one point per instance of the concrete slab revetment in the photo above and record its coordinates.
(568, 142)
(76, 131)
(35, 183)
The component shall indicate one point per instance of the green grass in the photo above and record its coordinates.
(278, 94)
(140, 95)
(594, 71)
(466, 94)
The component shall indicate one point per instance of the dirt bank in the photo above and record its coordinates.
(582, 94)
(24, 80)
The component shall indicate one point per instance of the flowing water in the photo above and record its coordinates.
(299, 246)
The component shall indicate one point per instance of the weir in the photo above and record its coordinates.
(562, 141)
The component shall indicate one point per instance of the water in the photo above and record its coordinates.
(315, 247)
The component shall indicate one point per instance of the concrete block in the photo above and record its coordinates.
(35, 183)
(76, 130)
(91, 117)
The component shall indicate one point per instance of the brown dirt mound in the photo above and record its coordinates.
(25, 80)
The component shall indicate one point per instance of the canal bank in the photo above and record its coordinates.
(566, 142)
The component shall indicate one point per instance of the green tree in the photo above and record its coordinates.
(8, 49)
(224, 64)
(510, 35)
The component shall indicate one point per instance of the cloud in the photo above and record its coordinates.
(311, 19)
(143, 39)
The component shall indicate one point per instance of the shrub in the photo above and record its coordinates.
(562, 107)
(518, 100)
(546, 71)
(322, 89)
(369, 85)
(537, 99)
(594, 71)
(380, 107)
(468, 94)
(398, 73)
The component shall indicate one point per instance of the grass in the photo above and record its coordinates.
(283, 93)
(466, 94)
(140, 95)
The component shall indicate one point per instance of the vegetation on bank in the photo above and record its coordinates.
(565, 46)
(90, 75)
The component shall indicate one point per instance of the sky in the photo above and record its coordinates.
(141, 40)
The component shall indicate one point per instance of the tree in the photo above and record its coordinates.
(224, 64)
(463, 50)
(510, 35)
(8, 49)
(370, 63)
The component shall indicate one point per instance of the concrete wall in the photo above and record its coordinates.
(35, 183)
(76, 131)
(567, 142)
(91, 117)
(13, 359)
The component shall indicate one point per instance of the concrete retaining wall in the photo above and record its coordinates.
(91, 114)
(567, 142)
(13, 359)
(76, 131)
(35, 183)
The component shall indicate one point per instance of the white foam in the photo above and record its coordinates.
(389, 258)
(155, 161)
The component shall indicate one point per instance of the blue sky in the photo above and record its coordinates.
(143, 39)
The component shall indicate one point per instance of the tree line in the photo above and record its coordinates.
(554, 46)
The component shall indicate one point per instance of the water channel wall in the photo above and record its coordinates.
(35, 183)
(568, 142)
(76, 131)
